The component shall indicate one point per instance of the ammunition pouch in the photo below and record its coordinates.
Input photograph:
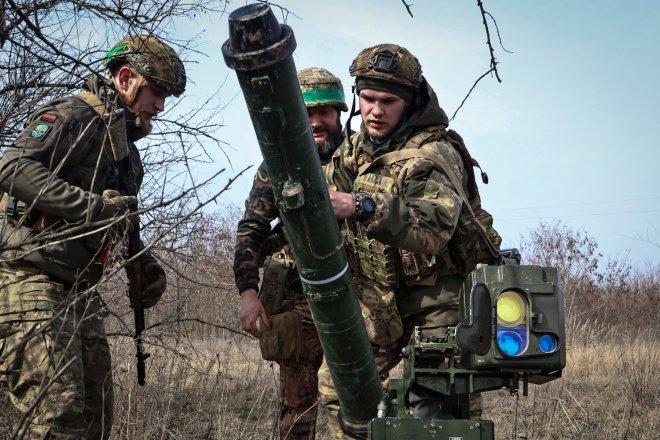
(12, 206)
(282, 341)
(278, 270)
(380, 313)
(424, 270)
(375, 266)
(371, 259)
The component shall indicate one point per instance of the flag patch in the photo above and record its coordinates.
(48, 117)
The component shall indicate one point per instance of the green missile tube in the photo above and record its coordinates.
(260, 50)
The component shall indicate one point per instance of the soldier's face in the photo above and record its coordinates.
(323, 121)
(326, 128)
(381, 112)
(144, 98)
(148, 102)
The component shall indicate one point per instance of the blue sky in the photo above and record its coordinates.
(570, 134)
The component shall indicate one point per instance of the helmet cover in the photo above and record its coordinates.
(319, 87)
(388, 62)
(153, 59)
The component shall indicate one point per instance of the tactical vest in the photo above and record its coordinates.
(474, 240)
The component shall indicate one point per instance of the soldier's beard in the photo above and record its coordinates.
(327, 147)
(143, 128)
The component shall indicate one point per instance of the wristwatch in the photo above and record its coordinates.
(364, 207)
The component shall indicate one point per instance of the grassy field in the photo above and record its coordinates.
(219, 388)
(206, 380)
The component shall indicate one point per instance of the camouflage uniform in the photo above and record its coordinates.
(298, 375)
(399, 255)
(54, 354)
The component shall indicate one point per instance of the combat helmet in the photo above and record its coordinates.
(152, 58)
(319, 87)
(387, 67)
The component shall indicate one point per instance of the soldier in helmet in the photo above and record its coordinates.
(401, 211)
(60, 179)
(287, 333)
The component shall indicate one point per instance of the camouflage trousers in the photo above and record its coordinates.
(421, 306)
(54, 357)
(299, 382)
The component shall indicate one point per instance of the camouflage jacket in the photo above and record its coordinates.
(420, 212)
(253, 230)
(59, 166)
(260, 211)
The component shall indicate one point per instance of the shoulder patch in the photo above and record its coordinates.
(40, 131)
(48, 117)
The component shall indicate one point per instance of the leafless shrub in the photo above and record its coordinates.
(595, 293)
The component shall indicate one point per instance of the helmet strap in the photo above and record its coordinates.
(352, 113)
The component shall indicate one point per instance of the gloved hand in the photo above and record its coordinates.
(115, 205)
(155, 281)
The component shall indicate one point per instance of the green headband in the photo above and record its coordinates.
(109, 57)
(323, 95)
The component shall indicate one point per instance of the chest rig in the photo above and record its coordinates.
(386, 265)
(474, 241)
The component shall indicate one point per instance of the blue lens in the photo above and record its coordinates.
(511, 342)
(547, 344)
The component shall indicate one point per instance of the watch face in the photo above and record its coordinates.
(368, 205)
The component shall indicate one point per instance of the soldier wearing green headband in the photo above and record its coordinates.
(276, 311)
(60, 185)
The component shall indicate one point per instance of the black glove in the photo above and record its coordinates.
(115, 205)
(155, 281)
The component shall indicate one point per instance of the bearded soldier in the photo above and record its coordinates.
(394, 182)
(287, 333)
(65, 210)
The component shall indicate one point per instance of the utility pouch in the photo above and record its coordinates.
(380, 314)
(67, 260)
(282, 340)
(419, 269)
(273, 286)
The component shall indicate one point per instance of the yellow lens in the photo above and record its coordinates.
(510, 308)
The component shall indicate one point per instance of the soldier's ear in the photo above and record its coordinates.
(126, 79)
(123, 78)
(128, 82)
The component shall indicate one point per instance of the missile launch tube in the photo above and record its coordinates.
(260, 50)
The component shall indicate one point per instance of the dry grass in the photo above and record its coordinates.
(205, 380)
(221, 389)
(204, 389)
(610, 389)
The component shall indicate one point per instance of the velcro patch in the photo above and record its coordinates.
(40, 131)
(48, 117)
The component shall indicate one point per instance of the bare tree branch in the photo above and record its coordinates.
(497, 28)
(469, 92)
(407, 7)
(493, 61)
